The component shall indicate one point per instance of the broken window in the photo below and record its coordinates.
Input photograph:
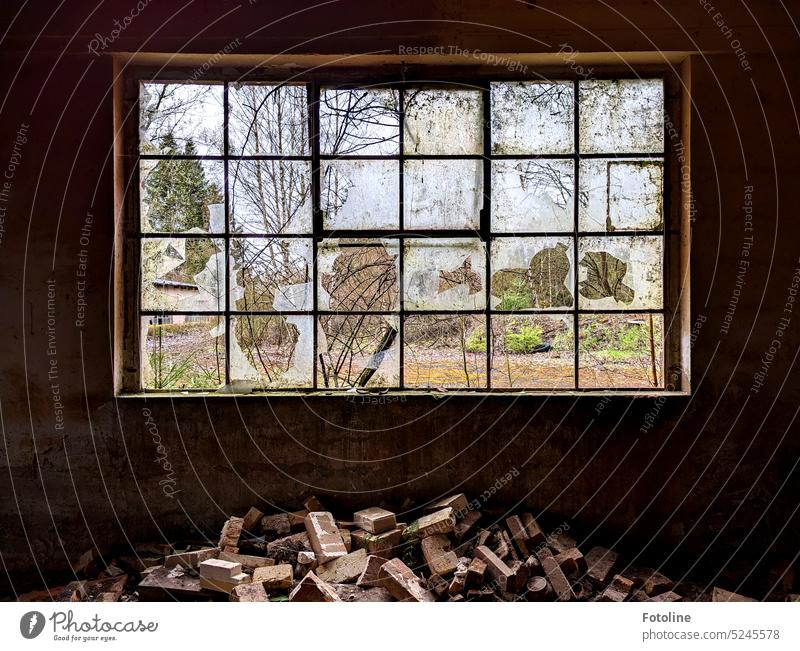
(503, 235)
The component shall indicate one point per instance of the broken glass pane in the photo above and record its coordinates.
(268, 120)
(621, 116)
(445, 274)
(443, 121)
(358, 275)
(272, 352)
(445, 351)
(271, 274)
(532, 196)
(176, 196)
(358, 351)
(359, 122)
(532, 117)
(183, 352)
(185, 274)
(621, 351)
(358, 194)
(620, 272)
(443, 194)
(179, 118)
(533, 352)
(532, 273)
(621, 194)
(270, 196)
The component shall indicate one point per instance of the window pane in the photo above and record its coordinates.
(186, 274)
(182, 352)
(180, 119)
(621, 351)
(445, 274)
(358, 275)
(178, 196)
(268, 120)
(619, 272)
(532, 273)
(359, 122)
(358, 351)
(443, 121)
(532, 117)
(358, 194)
(270, 196)
(443, 194)
(621, 195)
(619, 116)
(272, 352)
(533, 352)
(533, 196)
(445, 351)
(271, 274)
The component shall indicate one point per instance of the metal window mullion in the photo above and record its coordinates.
(486, 225)
(401, 239)
(575, 217)
(227, 316)
(313, 93)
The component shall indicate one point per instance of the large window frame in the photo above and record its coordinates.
(674, 365)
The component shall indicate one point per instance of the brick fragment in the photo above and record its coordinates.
(561, 586)
(312, 588)
(231, 531)
(561, 542)
(571, 561)
(521, 575)
(297, 520)
(311, 503)
(532, 528)
(191, 559)
(354, 593)
(402, 583)
(323, 535)
(438, 557)
(251, 520)
(432, 524)
(249, 592)
(466, 524)
(276, 525)
(369, 575)
(384, 544)
(656, 584)
(218, 585)
(438, 585)
(475, 573)
(346, 539)
(344, 569)
(248, 562)
(375, 520)
(505, 577)
(668, 596)
(600, 563)
(457, 502)
(214, 568)
(274, 577)
(457, 584)
(719, 595)
(519, 536)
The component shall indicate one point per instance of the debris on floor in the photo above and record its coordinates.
(450, 552)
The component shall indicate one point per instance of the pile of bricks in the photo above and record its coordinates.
(449, 552)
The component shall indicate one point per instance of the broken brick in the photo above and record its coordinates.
(668, 596)
(656, 584)
(465, 525)
(561, 542)
(720, 595)
(274, 577)
(312, 588)
(355, 593)
(323, 535)
(344, 569)
(384, 544)
(475, 573)
(600, 563)
(372, 568)
(532, 528)
(402, 583)
(346, 539)
(218, 585)
(231, 531)
(311, 503)
(276, 525)
(438, 557)
(457, 502)
(159, 585)
(191, 559)
(438, 585)
(457, 584)
(375, 520)
(251, 520)
(561, 586)
(214, 568)
(505, 577)
(247, 562)
(297, 520)
(430, 525)
(571, 561)
(249, 592)
(519, 536)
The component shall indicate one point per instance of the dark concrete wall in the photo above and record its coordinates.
(714, 481)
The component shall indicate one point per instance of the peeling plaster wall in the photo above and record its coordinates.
(710, 474)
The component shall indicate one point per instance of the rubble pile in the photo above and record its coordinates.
(450, 552)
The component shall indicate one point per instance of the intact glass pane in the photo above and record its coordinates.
(359, 122)
(184, 274)
(180, 118)
(620, 272)
(621, 194)
(443, 121)
(268, 120)
(270, 196)
(533, 196)
(619, 116)
(358, 275)
(358, 351)
(445, 351)
(358, 194)
(272, 351)
(271, 274)
(533, 117)
(445, 274)
(621, 351)
(181, 196)
(533, 352)
(532, 273)
(443, 194)
(182, 352)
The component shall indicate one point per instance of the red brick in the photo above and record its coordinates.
(312, 588)
(375, 520)
(323, 535)
(402, 583)
(532, 528)
(600, 563)
(561, 586)
(437, 555)
(519, 536)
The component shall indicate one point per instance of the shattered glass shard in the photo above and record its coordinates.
(604, 276)
(462, 275)
(543, 284)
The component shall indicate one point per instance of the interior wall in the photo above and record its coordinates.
(711, 478)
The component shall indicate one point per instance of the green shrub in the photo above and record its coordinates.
(524, 341)
(476, 342)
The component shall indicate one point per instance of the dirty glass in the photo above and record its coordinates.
(443, 194)
(443, 121)
(360, 194)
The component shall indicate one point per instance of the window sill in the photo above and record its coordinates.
(389, 396)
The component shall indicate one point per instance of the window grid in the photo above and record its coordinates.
(484, 234)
